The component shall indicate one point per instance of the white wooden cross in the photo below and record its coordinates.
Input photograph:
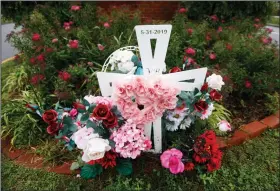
(155, 64)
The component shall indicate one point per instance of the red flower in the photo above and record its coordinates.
(213, 166)
(106, 25)
(214, 18)
(67, 25)
(201, 106)
(257, 20)
(101, 112)
(269, 30)
(37, 78)
(75, 7)
(215, 96)
(189, 166)
(182, 10)
(40, 58)
(78, 105)
(204, 88)
(190, 31)
(220, 29)
(50, 116)
(109, 160)
(248, 84)
(74, 44)
(190, 51)
(208, 73)
(49, 49)
(212, 56)
(35, 37)
(225, 78)
(209, 136)
(17, 57)
(228, 46)
(32, 60)
(53, 128)
(208, 37)
(111, 120)
(199, 159)
(65, 76)
(175, 69)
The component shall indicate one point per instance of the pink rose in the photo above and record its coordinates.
(172, 159)
(269, 30)
(36, 37)
(100, 47)
(54, 40)
(190, 51)
(75, 7)
(182, 10)
(106, 25)
(214, 18)
(212, 56)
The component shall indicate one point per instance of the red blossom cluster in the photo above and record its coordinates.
(109, 160)
(207, 151)
(102, 112)
(50, 117)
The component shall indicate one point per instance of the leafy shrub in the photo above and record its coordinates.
(272, 103)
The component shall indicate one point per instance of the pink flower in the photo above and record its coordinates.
(63, 75)
(100, 47)
(106, 25)
(90, 64)
(208, 37)
(74, 44)
(73, 112)
(190, 51)
(228, 46)
(220, 29)
(214, 18)
(40, 58)
(54, 40)
(265, 40)
(257, 20)
(224, 126)
(75, 7)
(248, 84)
(182, 10)
(269, 30)
(190, 31)
(67, 25)
(212, 56)
(172, 159)
(36, 37)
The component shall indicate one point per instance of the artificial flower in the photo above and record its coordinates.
(40, 58)
(109, 160)
(126, 67)
(215, 95)
(201, 106)
(224, 125)
(172, 159)
(175, 69)
(111, 120)
(206, 113)
(101, 112)
(99, 100)
(37, 78)
(215, 82)
(175, 117)
(36, 37)
(189, 166)
(186, 123)
(190, 51)
(204, 88)
(212, 56)
(269, 30)
(75, 7)
(81, 137)
(190, 31)
(53, 128)
(50, 116)
(78, 105)
(73, 112)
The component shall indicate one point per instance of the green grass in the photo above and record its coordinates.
(6, 69)
(274, 21)
(252, 166)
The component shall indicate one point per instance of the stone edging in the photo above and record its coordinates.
(246, 132)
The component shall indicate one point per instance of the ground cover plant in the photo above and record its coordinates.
(62, 51)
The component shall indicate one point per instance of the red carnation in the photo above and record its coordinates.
(215, 96)
(201, 106)
(204, 88)
(65, 76)
(175, 69)
(199, 159)
(35, 37)
(209, 136)
(189, 166)
(109, 160)
(50, 116)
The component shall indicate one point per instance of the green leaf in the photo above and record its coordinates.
(196, 90)
(91, 124)
(56, 105)
(73, 128)
(85, 117)
(91, 171)
(74, 166)
(124, 166)
(112, 143)
(91, 107)
(183, 95)
(67, 121)
(85, 102)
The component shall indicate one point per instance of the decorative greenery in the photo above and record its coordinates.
(124, 167)
(91, 171)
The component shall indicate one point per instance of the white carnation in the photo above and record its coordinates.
(186, 123)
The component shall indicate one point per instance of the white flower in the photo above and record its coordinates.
(224, 126)
(215, 82)
(125, 66)
(81, 137)
(176, 117)
(124, 56)
(208, 112)
(186, 123)
(121, 56)
(99, 100)
(95, 148)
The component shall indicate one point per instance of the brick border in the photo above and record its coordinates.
(246, 132)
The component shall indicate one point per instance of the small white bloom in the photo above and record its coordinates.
(125, 66)
(95, 149)
(78, 176)
(224, 126)
(208, 112)
(186, 123)
(124, 56)
(215, 82)
(81, 137)
(176, 117)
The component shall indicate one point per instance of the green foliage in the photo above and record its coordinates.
(272, 103)
(128, 184)
(219, 113)
(244, 169)
(124, 167)
(91, 171)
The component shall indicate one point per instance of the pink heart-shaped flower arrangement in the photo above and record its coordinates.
(152, 94)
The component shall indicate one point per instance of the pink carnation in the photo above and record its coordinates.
(130, 140)
(172, 159)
